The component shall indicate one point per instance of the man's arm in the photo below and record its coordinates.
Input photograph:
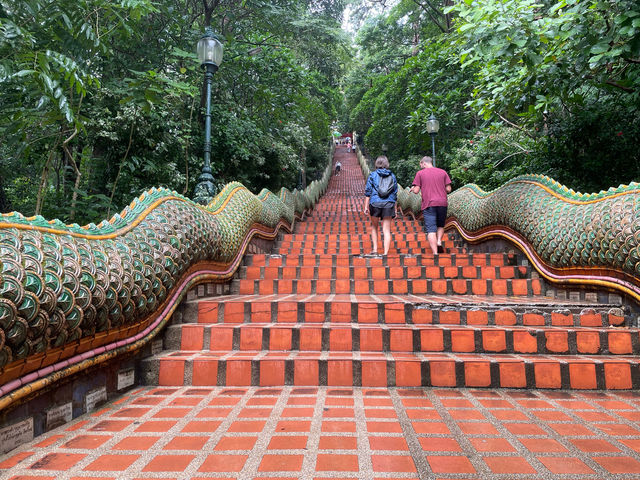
(415, 188)
(448, 187)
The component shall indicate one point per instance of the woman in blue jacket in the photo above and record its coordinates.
(381, 204)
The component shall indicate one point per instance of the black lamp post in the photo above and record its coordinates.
(433, 125)
(210, 55)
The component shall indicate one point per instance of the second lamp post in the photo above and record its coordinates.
(210, 55)
(433, 125)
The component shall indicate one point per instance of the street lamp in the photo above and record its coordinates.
(210, 55)
(384, 149)
(433, 125)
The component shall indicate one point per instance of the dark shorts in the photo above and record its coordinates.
(337, 168)
(382, 212)
(434, 218)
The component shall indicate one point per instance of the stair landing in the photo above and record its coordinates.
(314, 433)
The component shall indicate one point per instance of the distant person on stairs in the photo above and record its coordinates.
(434, 184)
(338, 167)
(380, 202)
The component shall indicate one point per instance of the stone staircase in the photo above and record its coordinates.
(320, 311)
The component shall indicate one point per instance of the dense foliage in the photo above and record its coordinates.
(519, 86)
(102, 100)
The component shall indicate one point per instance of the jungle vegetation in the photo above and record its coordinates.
(101, 100)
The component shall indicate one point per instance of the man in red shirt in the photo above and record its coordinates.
(434, 184)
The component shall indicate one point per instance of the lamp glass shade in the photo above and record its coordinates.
(433, 125)
(209, 50)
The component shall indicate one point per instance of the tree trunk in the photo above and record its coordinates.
(124, 159)
(5, 204)
(45, 176)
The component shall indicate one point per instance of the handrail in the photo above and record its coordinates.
(75, 296)
(571, 238)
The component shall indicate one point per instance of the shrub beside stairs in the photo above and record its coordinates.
(320, 311)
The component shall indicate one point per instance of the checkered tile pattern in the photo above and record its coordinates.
(312, 433)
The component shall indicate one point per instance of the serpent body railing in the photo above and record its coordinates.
(75, 296)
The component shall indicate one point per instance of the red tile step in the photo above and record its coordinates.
(383, 272)
(405, 260)
(418, 286)
(348, 369)
(366, 309)
(333, 338)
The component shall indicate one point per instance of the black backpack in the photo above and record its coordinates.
(386, 185)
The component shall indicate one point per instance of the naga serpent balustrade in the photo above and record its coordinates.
(72, 297)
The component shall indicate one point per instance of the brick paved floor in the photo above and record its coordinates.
(342, 433)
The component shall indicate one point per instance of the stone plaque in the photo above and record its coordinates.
(15, 435)
(126, 378)
(59, 416)
(94, 397)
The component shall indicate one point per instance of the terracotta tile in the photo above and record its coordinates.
(565, 465)
(201, 427)
(524, 429)
(422, 414)
(450, 464)
(214, 412)
(339, 463)
(393, 463)
(280, 463)
(335, 426)
(466, 415)
(450, 317)
(477, 428)
(408, 374)
(617, 375)
(223, 463)
(112, 463)
(186, 443)
(547, 375)
(430, 427)
(289, 442)
(388, 443)
(88, 442)
(306, 372)
(439, 444)
(617, 429)
(380, 413)
(340, 372)
(491, 445)
(135, 443)
(341, 442)
(171, 372)
(171, 413)
(374, 373)
(477, 373)
(238, 372)
(14, 460)
(169, 463)
(570, 429)
(542, 445)
(619, 465)
(443, 373)
(293, 426)
(508, 465)
(110, 426)
(594, 445)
